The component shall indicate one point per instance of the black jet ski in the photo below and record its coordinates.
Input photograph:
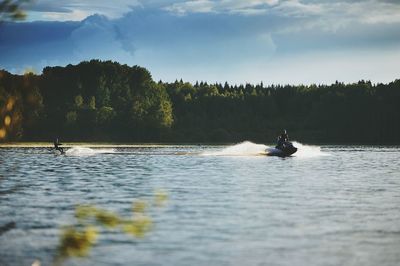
(284, 150)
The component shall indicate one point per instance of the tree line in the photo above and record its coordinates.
(107, 101)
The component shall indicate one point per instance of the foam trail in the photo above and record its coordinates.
(307, 151)
(84, 151)
(245, 148)
(248, 148)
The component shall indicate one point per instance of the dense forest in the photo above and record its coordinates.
(107, 101)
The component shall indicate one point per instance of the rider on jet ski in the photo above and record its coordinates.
(282, 139)
(56, 146)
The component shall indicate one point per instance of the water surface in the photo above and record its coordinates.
(227, 205)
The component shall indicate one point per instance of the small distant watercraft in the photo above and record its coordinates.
(284, 150)
(59, 150)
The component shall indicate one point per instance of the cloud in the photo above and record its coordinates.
(342, 11)
(193, 6)
(63, 10)
(75, 15)
(227, 39)
(295, 8)
(319, 12)
(38, 44)
(96, 37)
(223, 6)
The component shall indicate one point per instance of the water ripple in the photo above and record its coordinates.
(341, 209)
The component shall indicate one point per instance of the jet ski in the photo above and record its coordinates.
(286, 149)
(58, 150)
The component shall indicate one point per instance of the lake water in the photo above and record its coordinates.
(227, 205)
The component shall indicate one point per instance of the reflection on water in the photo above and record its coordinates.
(339, 209)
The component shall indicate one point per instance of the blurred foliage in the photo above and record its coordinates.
(139, 207)
(14, 94)
(10, 10)
(107, 101)
(21, 105)
(160, 197)
(138, 226)
(77, 240)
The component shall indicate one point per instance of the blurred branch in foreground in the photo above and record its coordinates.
(77, 240)
(10, 10)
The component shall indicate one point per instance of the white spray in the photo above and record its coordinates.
(84, 151)
(248, 148)
(245, 148)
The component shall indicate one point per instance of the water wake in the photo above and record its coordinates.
(84, 151)
(245, 148)
(307, 151)
(248, 148)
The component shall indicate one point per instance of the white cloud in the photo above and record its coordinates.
(75, 15)
(62, 10)
(372, 12)
(289, 41)
(295, 8)
(335, 16)
(246, 7)
(193, 6)
(326, 14)
(244, 4)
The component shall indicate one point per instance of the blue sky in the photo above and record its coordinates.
(239, 41)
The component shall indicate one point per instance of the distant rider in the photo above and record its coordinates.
(282, 139)
(56, 146)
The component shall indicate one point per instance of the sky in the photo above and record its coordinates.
(239, 41)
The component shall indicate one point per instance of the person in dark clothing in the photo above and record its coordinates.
(57, 145)
(282, 139)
